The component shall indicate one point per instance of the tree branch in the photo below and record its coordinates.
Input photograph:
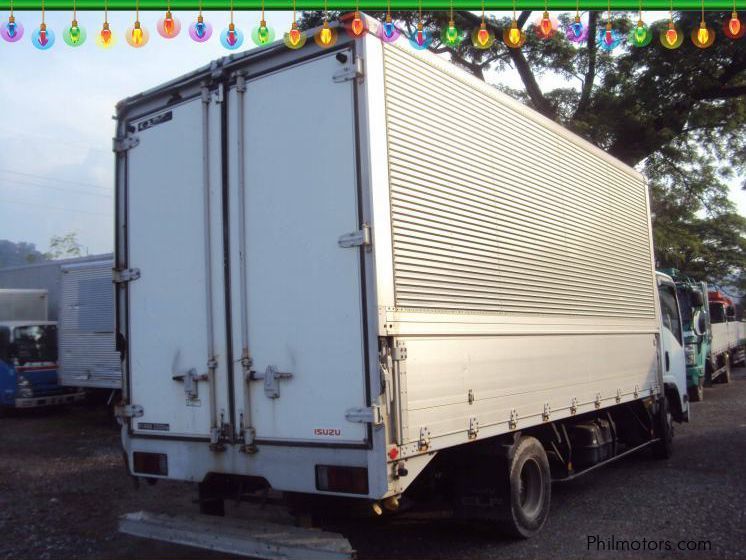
(722, 93)
(590, 75)
(533, 90)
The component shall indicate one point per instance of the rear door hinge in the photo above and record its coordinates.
(125, 143)
(360, 238)
(369, 415)
(122, 275)
(353, 71)
(128, 411)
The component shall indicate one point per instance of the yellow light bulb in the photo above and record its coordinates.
(514, 35)
(703, 34)
(326, 34)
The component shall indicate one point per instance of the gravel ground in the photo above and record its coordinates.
(63, 486)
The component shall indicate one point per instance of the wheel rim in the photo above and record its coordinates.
(531, 493)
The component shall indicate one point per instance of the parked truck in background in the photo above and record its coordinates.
(87, 347)
(695, 315)
(28, 353)
(728, 337)
(359, 300)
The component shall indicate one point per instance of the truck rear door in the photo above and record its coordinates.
(176, 307)
(299, 305)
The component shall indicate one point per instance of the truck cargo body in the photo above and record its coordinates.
(23, 305)
(360, 257)
(87, 346)
(728, 344)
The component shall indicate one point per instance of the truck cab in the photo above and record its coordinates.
(673, 361)
(695, 320)
(28, 366)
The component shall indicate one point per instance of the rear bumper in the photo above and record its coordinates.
(50, 400)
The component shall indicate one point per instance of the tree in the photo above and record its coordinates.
(18, 254)
(62, 246)
(677, 115)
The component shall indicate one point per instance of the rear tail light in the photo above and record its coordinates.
(346, 480)
(150, 463)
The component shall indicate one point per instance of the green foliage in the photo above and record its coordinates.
(18, 254)
(677, 115)
(64, 246)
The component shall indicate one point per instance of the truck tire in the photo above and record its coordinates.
(663, 428)
(697, 394)
(529, 490)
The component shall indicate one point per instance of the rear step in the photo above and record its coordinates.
(253, 538)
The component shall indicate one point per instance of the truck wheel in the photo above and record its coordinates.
(697, 394)
(663, 426)
(529, 490)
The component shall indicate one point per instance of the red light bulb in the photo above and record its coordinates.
(546, 24)
(734, 24)
(671, 36)
(357, 25)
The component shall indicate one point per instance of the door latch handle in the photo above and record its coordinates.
(271, 377)
(668, 362)
(190, 379)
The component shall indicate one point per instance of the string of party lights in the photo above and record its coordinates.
(545, 27)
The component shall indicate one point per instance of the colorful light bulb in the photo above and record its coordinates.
(577, 32)
(640, 35)
(703, 37)
(326, 36)
(608, 38)
(43, 38)
(482, 38)
(545, 25)
(734, 24)
(357, 26)
(671, 37)
(420, 39)
(262, 35)
(451, 35)
(514, 37)
(200, 30)
(11, 31)
(168, 26)
(703, 34)
(74, 35)
(733, 28)
(295, 38)
(105, 38)
(231, 37)
(388, 32)
(137, 36)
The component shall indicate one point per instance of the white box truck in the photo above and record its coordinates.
(87, 345)
(360, 272)
(23, 305)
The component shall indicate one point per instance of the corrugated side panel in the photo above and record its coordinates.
(494, 212)
(87, 349)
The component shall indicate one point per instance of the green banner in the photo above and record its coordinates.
(554, 5)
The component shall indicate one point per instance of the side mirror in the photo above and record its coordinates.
(698, 299)
(699, 323)
(730, 312)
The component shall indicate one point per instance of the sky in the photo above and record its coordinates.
(56, 126)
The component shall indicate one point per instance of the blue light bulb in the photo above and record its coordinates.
(577, 28)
